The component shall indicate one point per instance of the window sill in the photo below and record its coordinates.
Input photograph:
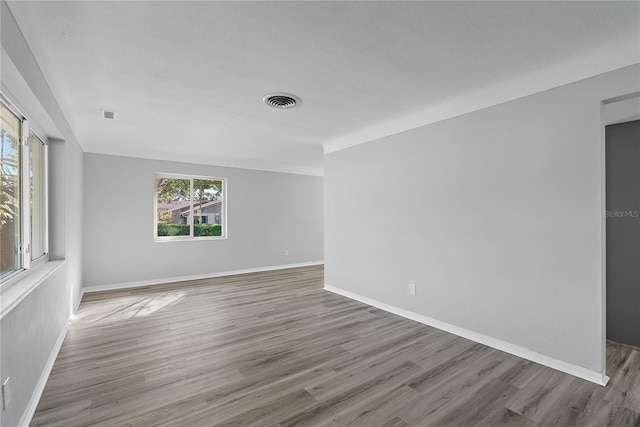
(13, 295)
(187, 239)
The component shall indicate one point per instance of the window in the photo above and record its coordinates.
(38, 202)
(23, 200)
(189, 207)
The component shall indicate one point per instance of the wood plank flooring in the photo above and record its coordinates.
(275, 349)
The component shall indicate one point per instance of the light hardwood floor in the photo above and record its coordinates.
(274, 348)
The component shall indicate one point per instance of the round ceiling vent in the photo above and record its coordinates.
(281, 100)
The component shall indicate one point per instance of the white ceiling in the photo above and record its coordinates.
(186, 79)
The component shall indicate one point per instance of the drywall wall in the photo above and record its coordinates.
(496, 216)
(32, 330)
(267, 212)
(623, 232)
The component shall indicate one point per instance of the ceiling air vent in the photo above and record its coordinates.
(281, 100)
(108, 114)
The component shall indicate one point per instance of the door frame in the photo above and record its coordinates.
(605, 121)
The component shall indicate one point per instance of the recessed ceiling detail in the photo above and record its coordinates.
(281, 100)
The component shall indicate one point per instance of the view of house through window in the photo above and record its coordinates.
(23, 200)
(189, 207)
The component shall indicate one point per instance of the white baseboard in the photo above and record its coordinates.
(77, 306)
(137, 284)
(27, 415)
(560, 365)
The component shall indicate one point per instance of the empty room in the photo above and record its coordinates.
(320, 213)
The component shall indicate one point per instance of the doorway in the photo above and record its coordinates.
(622, 165)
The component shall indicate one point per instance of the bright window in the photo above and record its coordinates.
(23, 200)
(189, 207)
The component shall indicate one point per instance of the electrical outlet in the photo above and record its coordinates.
(412, 288)
(286, 252)
(6, 394)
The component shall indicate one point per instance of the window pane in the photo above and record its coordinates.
(10, 230)
(38, 201)
(207, 208)
(173, 207)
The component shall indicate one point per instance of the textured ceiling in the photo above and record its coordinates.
(186, 79)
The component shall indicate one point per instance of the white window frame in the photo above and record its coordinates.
(45, 256)
(25, 205)
(190, 237)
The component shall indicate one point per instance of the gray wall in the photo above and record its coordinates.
(623, 232)
(29, 331)
(497, 216)
(267, 213)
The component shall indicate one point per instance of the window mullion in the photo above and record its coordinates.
(46, 199)
(191, 217)
(25, 244)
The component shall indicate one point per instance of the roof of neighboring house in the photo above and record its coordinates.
(177, 206)
(173, 205)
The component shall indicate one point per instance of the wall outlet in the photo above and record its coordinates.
(6, 394)
(286, 252)
(412, 288)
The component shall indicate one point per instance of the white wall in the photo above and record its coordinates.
(267, 212)
(496, 215)
(31, 331)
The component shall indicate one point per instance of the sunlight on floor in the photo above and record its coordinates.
(130, 307)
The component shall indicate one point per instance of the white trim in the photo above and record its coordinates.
(603, 235)
(560, 365)
(25, 196)
(160, 281)
(77, 305)
(46, 197)
(28, 413)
